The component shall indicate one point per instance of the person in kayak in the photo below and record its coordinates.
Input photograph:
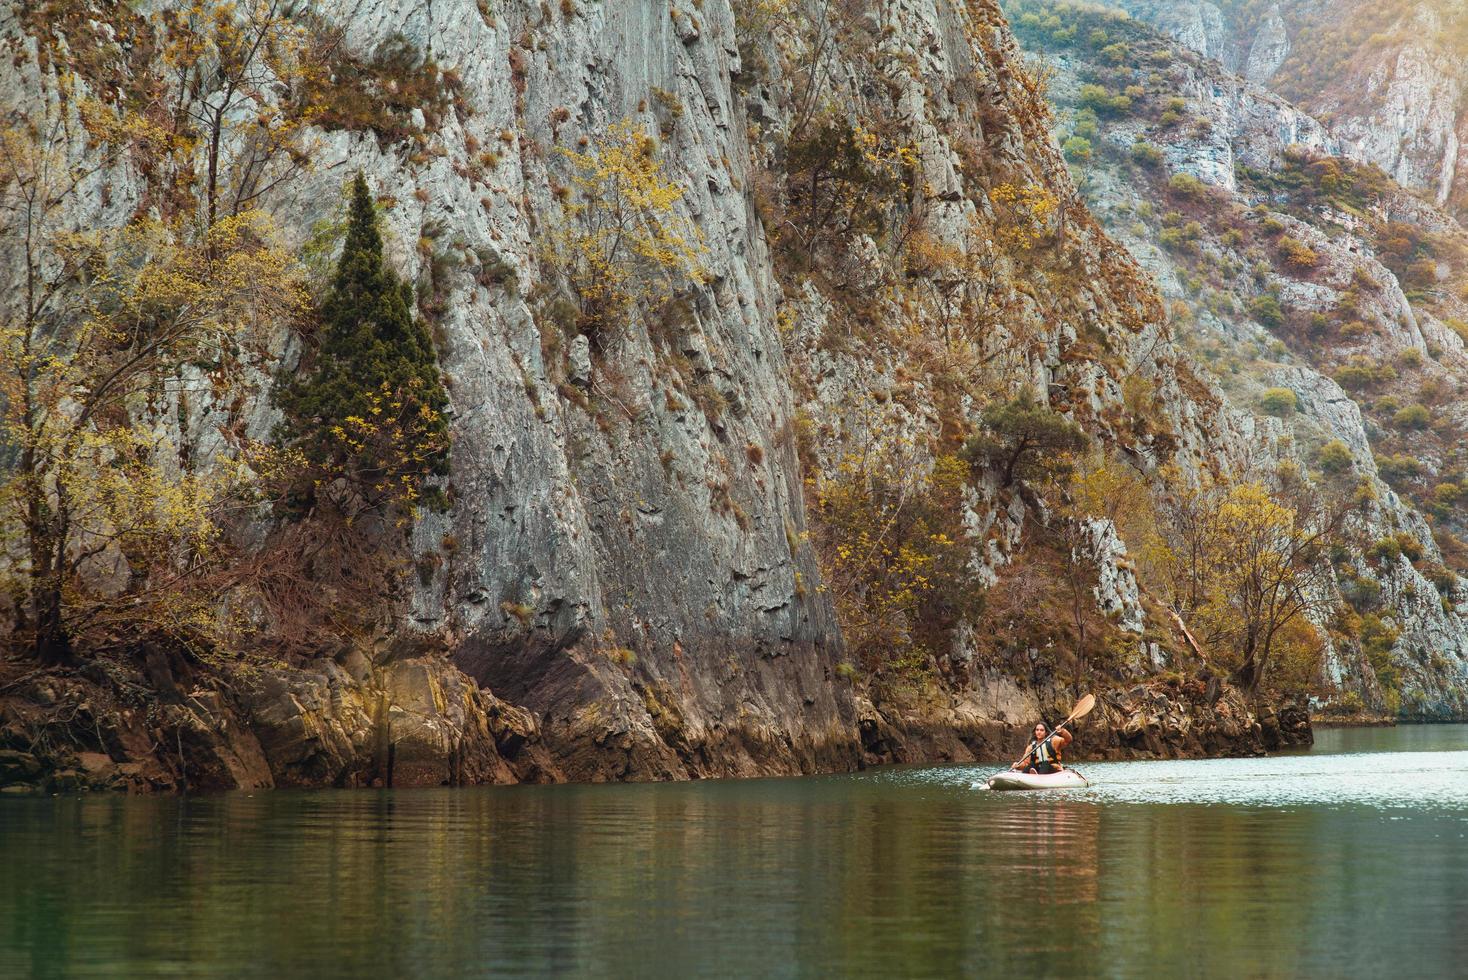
(1043, 755)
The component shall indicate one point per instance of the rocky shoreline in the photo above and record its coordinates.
(1363, 720)
(165, 725)
(1159, 719)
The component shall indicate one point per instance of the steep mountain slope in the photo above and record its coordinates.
(785, 485)
(1389, 79)
(1318, 290)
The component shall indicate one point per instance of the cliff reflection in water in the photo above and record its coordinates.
(910, 872)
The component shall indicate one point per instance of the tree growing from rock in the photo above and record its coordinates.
(111, 536)
(623, 241)
(369, 414)
(1022, 437)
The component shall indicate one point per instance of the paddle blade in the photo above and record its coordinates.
(1084, 706)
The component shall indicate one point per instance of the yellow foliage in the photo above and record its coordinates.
(883, 157)
(1245, 568)
(121, 329)
(1111, 490)
(624, 240)
(237, 64)
(392, 458)
(1024, 213)
(895, 555)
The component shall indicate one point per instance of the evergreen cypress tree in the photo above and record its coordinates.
(371, 409)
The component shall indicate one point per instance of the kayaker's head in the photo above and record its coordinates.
(1041, 730)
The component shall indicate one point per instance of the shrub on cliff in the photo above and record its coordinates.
(369, 412)
(1378, 638)
(1099, 100)
(1361, 373)
(378, 93)
(1279, 402)
(896, 560)
(1297, 256)
(843, 176)
(1395, 469)
(1023, 438)
(1412, 417)
(1187, 187)
(1334, 457)
(623, 243)
(1146, 154)
(1266, 310)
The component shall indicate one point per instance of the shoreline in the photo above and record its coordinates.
(113, 726)
(1356, 721)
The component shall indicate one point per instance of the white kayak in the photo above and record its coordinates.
(1064, 779)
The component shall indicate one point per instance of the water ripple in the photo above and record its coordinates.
(1382, 779)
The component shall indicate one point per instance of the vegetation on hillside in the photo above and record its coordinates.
(1266, 255)
(130, 356)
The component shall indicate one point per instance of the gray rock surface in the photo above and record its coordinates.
(624, 587)
(1396, 100)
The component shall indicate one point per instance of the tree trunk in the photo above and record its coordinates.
(1248, 675)
(53, 646)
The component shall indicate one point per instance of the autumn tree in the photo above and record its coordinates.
(105, 526)
(623, 241)
(895, 557)
(120, 346)
(234, 70)
(1024, 214)
(842, 176)
(1250, 566)
(967, 284)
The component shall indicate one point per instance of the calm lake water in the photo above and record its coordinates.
(1347, 860)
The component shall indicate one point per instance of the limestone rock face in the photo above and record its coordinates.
(416, 722)
(1116, 593)
(1168, 720)
(625, 586)
(1247, 130)
(1196, 24)
(1270, 48)
(639, 544)
(1393, 95)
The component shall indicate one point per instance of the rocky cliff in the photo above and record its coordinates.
(1387, 78)
(1288, 283)
(642, 574)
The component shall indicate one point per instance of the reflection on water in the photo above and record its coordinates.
(1315, 864)
(1382, 779)
(1404, 738)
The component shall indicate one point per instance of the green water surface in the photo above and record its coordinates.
(1347, 860)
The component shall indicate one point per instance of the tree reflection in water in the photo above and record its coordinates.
(901, 872)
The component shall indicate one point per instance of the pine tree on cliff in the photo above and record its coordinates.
(370, 413)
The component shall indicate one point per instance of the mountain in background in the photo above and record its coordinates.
(1389, 78)
(1322, 294)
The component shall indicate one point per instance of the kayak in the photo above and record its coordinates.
(1064, 779)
